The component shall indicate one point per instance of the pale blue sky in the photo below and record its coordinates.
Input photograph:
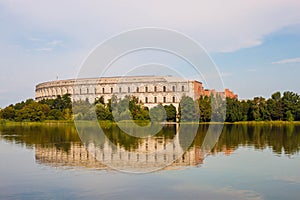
(255, 44)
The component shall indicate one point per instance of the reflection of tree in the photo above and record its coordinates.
(41, 134)
(120, 138)
(278, 137)
(187, 133)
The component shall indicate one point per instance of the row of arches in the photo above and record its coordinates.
(112, 89)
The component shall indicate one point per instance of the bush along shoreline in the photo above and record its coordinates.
(279, 108)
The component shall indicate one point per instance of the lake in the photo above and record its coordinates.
(53, 161)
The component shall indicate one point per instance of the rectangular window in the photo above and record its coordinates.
(155, 99)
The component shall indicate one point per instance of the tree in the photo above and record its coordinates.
(289, 116)
(218, 108)
(55, 114)
(8, 113)
(103, 112)
(233, 110)
(170, 112)
(204, 108)
(188, 110)
(33, 112)
(291, 104)
(275, 106)
(158, 113)
(258, 109)
(99, 100)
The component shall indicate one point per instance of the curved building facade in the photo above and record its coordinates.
(151, 90)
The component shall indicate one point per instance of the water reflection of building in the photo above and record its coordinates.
(78, 155)
(149, 152)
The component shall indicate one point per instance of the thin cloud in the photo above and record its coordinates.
(44, 49)
(33, 39)
(286, 61)
(251, 70)
(237, 25)
(55, 43)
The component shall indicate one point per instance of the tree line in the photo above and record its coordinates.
(283, 107)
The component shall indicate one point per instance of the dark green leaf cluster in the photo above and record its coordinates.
(52, 109)
(284, 107)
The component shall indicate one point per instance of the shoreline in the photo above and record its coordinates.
(8, 122)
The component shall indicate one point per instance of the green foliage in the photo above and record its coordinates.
(170, 112)
(60, 102)
(158, 113)
(103, 112)
(289, 116)
(218, 108)
(33, 112)
(284, 107)
(204, 108)
(188, 110)
(128, 108)
(55, 114)
(52, 109)
(8, 113)
(233, 110)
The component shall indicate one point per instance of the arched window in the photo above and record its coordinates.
(155, 89)
(120, 90)
(173, 88)
(146, 99)
(111, 90)
(165, 99)
(137, 89)
(155, 99)
(87, 90)
(103, 90)
(146, 89)
(164, 89)
(95, 90)
(182, 88)
(80, 91)
(128, 89)
(173, 99)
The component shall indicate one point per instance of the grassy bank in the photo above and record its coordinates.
(268, 122)
(146, 122)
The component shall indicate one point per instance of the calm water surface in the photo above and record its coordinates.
(51, 162)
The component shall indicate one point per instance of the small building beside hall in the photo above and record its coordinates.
(151, 90)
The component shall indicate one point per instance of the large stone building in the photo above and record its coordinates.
(150, 90)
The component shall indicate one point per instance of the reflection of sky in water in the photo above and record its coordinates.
(247, 173)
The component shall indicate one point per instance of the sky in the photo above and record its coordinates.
(255, 44)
